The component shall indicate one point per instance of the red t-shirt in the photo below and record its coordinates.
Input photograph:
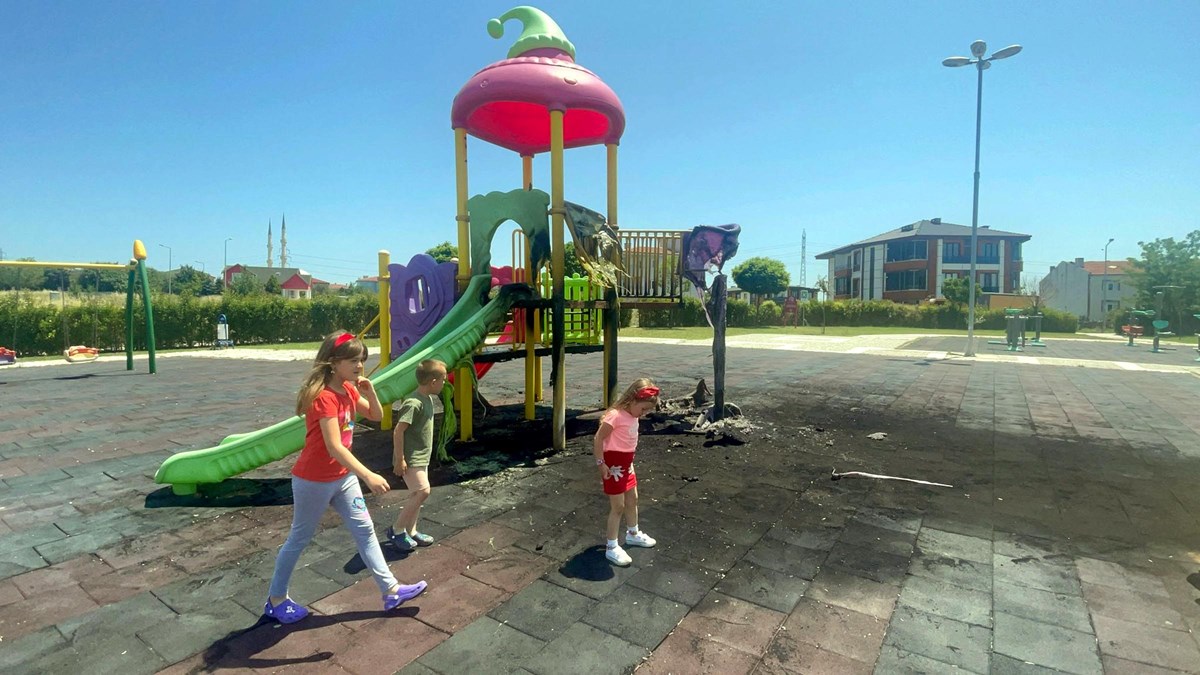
(315, 463)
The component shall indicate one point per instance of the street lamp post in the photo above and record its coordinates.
(202, 269)
(225, 265)
(1104, 290)
(981, 64)
(170, 266)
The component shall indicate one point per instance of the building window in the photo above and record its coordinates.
(988, 250)
(908, 280)
(1016, 250)
(952, 250)
(855, 287)
(1114, 286)
(989, 282)
(857, 265)
(841, 286)
(907, 250)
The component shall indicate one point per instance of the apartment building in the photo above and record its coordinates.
(909, 263)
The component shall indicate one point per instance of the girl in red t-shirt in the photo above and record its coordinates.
(334, 392)
(614, 446)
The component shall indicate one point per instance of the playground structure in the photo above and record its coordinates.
(137, 273)
(538, 100)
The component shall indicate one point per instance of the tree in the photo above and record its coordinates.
(1166, 262)
(21, 278)
(571, 264)
(245, 284)
(958, 290)
(273, 287)
(443, 252)
(190, 281)
(761, 276)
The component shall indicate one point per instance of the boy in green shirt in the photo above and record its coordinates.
(412, 447)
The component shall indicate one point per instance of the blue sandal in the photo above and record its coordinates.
(285, 612)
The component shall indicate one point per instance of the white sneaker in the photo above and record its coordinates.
(617, 556)
(640, 539)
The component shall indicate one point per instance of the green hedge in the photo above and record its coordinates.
(180, 322)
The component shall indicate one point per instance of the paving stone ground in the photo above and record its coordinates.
(1067, 544)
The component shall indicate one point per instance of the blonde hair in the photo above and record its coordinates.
(329, 353)
(429, 369)
(630, 395)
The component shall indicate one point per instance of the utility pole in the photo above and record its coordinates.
(804, 258)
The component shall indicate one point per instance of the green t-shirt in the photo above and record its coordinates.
(417, 412)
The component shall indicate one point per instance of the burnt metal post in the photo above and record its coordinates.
(717, 301)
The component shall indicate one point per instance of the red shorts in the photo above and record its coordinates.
(621, 478)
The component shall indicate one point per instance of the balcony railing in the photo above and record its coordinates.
(965, 259)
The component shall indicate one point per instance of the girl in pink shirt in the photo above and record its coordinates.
(614, 447)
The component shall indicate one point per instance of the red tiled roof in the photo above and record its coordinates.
(1096, 267)
(296, 283)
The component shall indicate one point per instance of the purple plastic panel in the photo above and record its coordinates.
(422, 292)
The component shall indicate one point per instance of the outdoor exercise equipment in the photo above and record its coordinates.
(7, 356)
(1160, 330)
(137, 272)
(1014, 330)
(1136, 330)
(1197, 316)
(1036, 317)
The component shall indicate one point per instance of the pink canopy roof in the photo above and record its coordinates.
(508, 103)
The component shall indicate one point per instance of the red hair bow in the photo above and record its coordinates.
(343, 339)
(645, 393)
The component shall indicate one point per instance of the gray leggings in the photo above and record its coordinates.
(310, 499)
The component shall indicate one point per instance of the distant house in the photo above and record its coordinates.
(1088, 289)
(909, 263)
(367, 283)
(294, 283)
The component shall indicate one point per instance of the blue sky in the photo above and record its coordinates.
(184, 123)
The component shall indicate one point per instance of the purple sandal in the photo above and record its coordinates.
(403, 594)
(285, 612)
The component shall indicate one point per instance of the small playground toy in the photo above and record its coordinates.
(80, 354)
(7, 356)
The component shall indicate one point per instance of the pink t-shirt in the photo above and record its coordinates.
(624, 436)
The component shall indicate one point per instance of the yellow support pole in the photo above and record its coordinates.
(532, 362)
(558, 270)
(462, 382)
(611, 315)
(385, 325)
(68, 265)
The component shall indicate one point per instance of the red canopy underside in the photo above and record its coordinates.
(525, 127)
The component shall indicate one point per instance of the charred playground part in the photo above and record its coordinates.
(698, 408)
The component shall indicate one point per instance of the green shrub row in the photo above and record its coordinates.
(180, 322)
(741, 314)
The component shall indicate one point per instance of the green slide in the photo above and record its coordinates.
(454, 338)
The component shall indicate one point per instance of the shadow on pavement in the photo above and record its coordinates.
(240, 648)
(232, 492)
(588, 565)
